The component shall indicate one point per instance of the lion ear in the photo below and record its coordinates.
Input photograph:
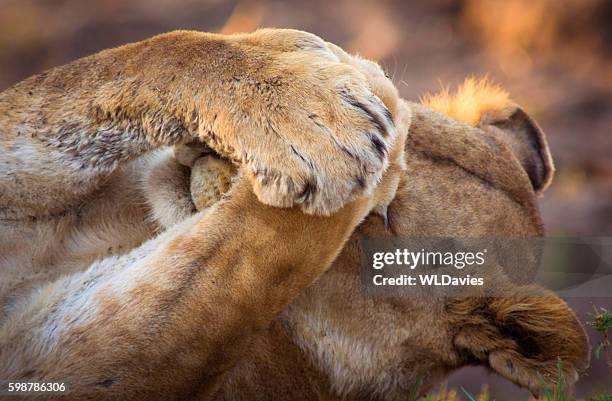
(481, 103)
(526, 140)
(528, 339)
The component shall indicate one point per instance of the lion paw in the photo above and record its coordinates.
(211, 177)
(310, 129)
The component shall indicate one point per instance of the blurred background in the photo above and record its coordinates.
(554, 57)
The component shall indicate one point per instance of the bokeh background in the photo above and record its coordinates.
(554, 56)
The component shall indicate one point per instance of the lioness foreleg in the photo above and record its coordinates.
(308, 128)
(173, 315)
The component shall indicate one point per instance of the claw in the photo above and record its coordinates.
(382, 211)
(385, 217)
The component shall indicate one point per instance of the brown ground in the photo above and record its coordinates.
(554, 56)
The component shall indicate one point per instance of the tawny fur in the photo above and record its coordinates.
(210, 178)
(480, 102)
(306, 126)
(460, 181)
(216, 305)
(472, 100)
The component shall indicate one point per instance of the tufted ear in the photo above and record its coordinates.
(523, 338)
(481, 103)
(527, 141)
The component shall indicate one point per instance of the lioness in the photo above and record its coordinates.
(113, 286)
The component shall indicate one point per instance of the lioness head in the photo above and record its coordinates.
(475, 165)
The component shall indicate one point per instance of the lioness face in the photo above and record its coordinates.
(461, 181)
